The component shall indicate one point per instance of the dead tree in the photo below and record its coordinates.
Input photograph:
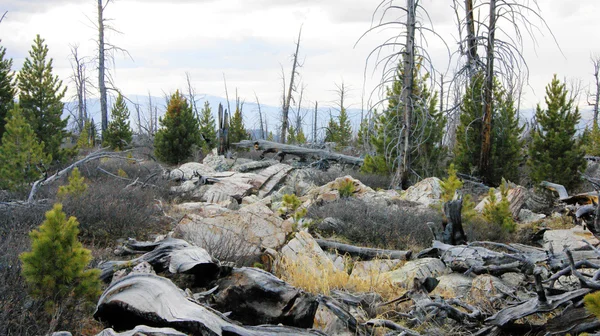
(315, 122)
(192, 96)
(486, 128)
(260, 118)
(81, 81)
(223, 130)
(106, 52)
(287, 99)
(596, 97)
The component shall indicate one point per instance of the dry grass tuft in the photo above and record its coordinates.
(322, 279)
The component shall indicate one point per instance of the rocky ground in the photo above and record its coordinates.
(231, 215)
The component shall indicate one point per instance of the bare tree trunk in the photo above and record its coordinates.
(401, 177)
(472, 57)
(596, 63)
(192, 95)
(80, 79)
(260, 118)
(226, 94)
(288, 98)
(315, 123)
(486, 131)
(101, 68)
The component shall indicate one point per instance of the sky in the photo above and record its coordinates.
(249, 42)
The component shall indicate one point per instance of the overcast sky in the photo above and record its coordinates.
(249, 41)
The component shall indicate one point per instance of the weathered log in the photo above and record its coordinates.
(573, 320)
(142, 330)
(558, 188)
(344, 315)
(541, 304)
(365, 253)
(255, 297)
(302, 152)
(152, 300)
(391, 325)
(188, 259)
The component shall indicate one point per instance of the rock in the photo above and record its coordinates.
(571, 238)
(143, 268)
(329, 192)
(247, 229)
(490, 285)
(426, 192)
(189, 170)
(513, 279)
(304, 249)
(420, 268)
(528, 216)
(62, 333)
(250, 199)
(453, 285)
(217, 162)
(256, 297)
(142, 330)
(516, 197)
(363, 269)
(329, 323)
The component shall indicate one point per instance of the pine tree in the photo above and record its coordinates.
(76, 186)
(40, 95)
(300, 137)
(118, 134)
(208, 127)
(178, 133)
(590, 140)
(506, 146)
(85, 140)
(291, 136)
(21, 155)
(427, 126)
(270, 137)
(332, 131)
(55, 267)
(344, 131)
(556, 154)
(237, 132)
(7, 88)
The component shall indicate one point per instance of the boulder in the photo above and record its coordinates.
(217, 162)
(256, 297)
(245, 230)
(570, 238)
(329, 323)
(304, 249)
(516, 197)
(453, 285)
(491, 285)
(527, 216)
(189, 170)
(420, 268)
(329, 192)
(426, 192)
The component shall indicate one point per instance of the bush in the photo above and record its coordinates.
(75, 188)
(400, 226)
(55, 267)
(346, 188)
(373, 181)
(497, 212)
(291, 207)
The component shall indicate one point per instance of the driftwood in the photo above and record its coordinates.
(152, 300)
(305, 153)
(255, 297)
(176, 255)
(364, 253)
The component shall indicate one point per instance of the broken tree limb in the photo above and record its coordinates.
(391, 325)
(306, 153)
(453, 231)
(364, 253)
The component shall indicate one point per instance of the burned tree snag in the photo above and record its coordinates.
(223, 131)
(453, 233)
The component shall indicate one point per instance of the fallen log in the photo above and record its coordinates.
(145, 299)
(142, 330)
(255, 297)
(305, 153)
(365, 253)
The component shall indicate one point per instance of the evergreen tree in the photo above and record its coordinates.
(344, 131)
(270, 137)
(556, 154)
(7, 88)
(21, 155)
(590, 140)
(55, 267)
(237, 132)
(208, 127)
(85, 139)
(300, 137)
(178, 133)
(76, 186)
(40, 95)
(291, 135)
(118, 133)
(507, 148)
(332, 131)
(428, 126)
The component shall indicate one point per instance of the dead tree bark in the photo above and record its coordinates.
(288, 98)
(365, 253)
(284, 149)
(453, 231)
(315, 123)
(101, 66)
(472, 58)
(401, 176)
(486, 131)
(596, 102)
(260, 118)
(223, 130)
(80, 79)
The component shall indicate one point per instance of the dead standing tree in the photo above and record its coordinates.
(596, 96)
(502, 49)
(287, 98)
(401, 49)
(81, 81)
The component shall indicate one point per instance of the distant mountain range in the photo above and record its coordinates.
(272, 114)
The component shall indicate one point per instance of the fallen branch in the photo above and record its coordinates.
(364, 253)
(283, 149)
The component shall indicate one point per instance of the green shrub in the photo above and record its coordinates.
(291, 204)
(592, 303)
(76, 186)
(497, 212)
(55, 267)
(346, 188)
(450, 185)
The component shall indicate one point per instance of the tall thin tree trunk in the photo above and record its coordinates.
(401, 177)
(288, 98)
(486, 128)
(596, 63)
(472, 57)
(101, 68)
(260, 118)
(315, 122)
